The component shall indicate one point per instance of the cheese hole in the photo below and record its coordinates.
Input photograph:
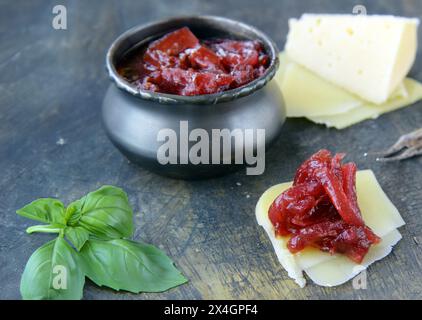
(350, 31)
(318, 22)
(311, 30)
(360, 72)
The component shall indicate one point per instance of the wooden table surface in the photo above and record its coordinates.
(52, 145)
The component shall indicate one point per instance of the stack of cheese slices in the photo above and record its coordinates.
(339, 70)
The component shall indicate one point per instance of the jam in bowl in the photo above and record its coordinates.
(184, 89)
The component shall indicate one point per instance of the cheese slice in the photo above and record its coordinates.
(412, 91)
(323, 268)
(307, 95)
(366, 55)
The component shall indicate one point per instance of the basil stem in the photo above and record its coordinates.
(51, 228)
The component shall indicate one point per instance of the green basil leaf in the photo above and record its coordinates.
(105, 213)
(131, 266)
(72, 214)
(77, 236)
(53, 272)
(45, 210)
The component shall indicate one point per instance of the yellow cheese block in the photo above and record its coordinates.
(329, 270)
(308, 95)
(368, 55)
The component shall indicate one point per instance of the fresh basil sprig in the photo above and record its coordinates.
(97, 226)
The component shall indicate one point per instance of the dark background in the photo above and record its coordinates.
(51, 87)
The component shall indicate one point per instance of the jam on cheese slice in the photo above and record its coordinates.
(324, 268)
(340, 267)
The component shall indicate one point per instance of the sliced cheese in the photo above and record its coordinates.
(378, 213)
(413, 91)
(366, 55)
(307, 95)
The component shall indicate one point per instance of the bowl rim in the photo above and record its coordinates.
(214, 98)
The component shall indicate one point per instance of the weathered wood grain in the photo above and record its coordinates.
(51, 87)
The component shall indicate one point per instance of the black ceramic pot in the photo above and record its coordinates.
(133, 118)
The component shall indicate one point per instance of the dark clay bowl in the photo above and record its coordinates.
(133, 118)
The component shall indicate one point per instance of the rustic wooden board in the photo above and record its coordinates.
(51, 88)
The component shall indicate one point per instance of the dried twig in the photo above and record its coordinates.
(408, 146)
